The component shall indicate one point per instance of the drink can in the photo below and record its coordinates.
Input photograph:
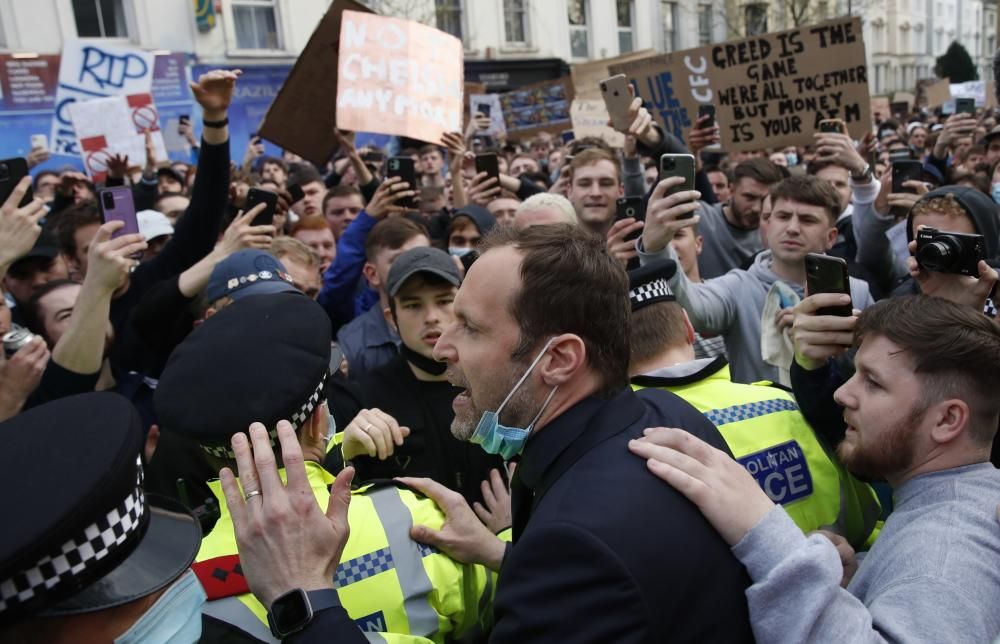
(14, 340)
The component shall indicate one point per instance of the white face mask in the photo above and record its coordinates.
(459, 252)
(175, 618)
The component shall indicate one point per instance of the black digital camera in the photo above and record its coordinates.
(945, 252)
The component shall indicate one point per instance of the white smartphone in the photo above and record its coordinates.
(39, 142)
(617, 99)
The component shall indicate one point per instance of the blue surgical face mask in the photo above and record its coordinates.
(175, 618)
(505, 441)
(459, 252)
(792, 158)
(995, 193)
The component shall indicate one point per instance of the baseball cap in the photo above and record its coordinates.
(170, 172)
(992, 134)
(424, 259)
(248, 272)
(153, 224)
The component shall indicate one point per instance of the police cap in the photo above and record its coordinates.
(648, 284)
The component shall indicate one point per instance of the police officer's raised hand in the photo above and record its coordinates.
(463, 537)
(109, 260)
(666, 215)
(384, 200)
(821, 337)
(373, 433)
(723, 490)
(284, 539)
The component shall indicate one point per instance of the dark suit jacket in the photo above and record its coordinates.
(611, 553)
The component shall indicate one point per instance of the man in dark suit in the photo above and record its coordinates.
(602, 551)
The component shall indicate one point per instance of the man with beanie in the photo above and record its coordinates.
(265, 359)
(761, 423)
(467, 226)
(396, 420)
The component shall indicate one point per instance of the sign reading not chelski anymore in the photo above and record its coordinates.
(769, 91)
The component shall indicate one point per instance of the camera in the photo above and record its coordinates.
(109, 201)
(393, 164)
(944, 252)
(668, 164)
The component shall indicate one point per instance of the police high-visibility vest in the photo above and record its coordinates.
(768, 435)
(394, 588)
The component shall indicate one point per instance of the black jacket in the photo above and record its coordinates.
(425, 408)
(606, 552)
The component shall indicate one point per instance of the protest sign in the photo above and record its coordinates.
(398, 77)
(935, 92)
(489, 104)
(540, 107)
(89, 69)
(303, 115)
(904, 97)
(590, 118)
(587, 76)
(979, 90)
(880, 108)
(769, 91)
(116, 125)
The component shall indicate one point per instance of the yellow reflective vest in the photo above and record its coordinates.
(394, 588)
(768, 435)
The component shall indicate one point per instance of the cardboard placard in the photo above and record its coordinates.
(541, 107)
(770, 91)
(116, 125)
(587, 76)
(880, 108)
(981, 91)
(90, 69)
(904, 97)
(489, 104)
(899, 109)
(937, 93)
(590, 118)
(303, 115)
(398, 77)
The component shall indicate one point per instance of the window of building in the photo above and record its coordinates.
(256, 24)
(448, 16)
(704, 24)
(515, 19)
(668, 18)
(822, 10)
(756, 19)
(100, 18)
(579, 29)
(625, 27)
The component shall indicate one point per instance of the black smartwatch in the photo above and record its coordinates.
(293, 611)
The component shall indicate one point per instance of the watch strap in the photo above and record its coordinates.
(223, 123)
(323, 599)
(317, 600)
(866, 174)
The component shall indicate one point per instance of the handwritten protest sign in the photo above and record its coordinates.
(769, 91)
(981, 91)
(489, 104)
(302, 118)
(88, 70)
(115, 125)
(398, 77)
(540, 107)
(935, 92)
(587, 76)
(590, 118)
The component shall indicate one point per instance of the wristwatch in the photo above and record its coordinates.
(865, 176)
(293, 611)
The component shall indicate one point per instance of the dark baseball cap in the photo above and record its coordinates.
(168, 171)
(424, 259)
(248, 272)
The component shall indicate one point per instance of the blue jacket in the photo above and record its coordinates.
(341, 279)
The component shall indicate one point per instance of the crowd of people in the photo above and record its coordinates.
(500, 407)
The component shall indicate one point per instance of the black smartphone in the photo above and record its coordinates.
(489, 164)
(567, 136)
(257, 196)
(11, 173)
(965, 106)
(903, 171)
(634, 207)
(184, 118)
(831, 125)
(706, 109)
(826, 274)
(296, 193)
(403, 168)
(678, 165)
(484, 109)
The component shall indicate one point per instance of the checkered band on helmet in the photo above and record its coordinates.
(297, 420)
(78, 555)
(651, 292)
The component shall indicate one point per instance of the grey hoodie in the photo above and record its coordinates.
(731, 306)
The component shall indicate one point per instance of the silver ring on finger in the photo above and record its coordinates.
(367, 427)
(249, 495)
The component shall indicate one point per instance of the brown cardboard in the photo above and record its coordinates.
(937, 93)
(587, 76)
(303, 116)
(769, 91)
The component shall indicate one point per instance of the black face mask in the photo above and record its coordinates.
(422, 362)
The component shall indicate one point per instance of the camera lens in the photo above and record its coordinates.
(630, 212)
(109, 200)
(938, 255)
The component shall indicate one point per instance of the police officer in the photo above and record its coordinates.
(84, 555)
(264, 359)
(761, 423)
